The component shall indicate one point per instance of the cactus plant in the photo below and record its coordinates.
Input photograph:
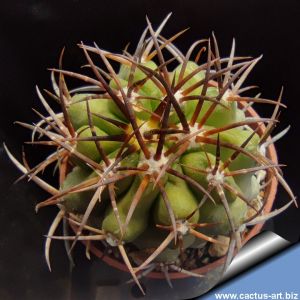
(158, 155)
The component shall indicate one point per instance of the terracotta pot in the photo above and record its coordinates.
(270, 193)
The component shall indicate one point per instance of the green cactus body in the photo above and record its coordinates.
(221, 116)
(77, 111)
(131, 160)
(215, 213)
(189, 106)
(139, 220)
(142, 107)
(112, 106)
(249, 185)
(199, 160)
(122, 185)
(149, 88)
(89, 148)
(182, 202)
(236, 136)
(77, 202)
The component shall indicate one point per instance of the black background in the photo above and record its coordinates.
(32, 33)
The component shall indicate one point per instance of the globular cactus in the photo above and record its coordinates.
(154, 156)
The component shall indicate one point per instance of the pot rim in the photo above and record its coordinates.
(270, 193)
